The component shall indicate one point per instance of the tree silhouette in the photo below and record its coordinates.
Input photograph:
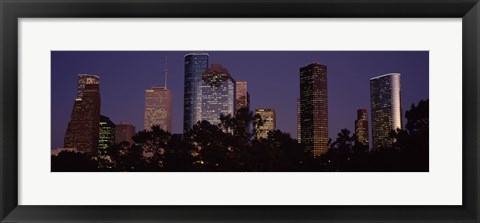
(178, 155)
(70, 161)
(211, 144)
(232, 146)
(240, 124)
(413, 141)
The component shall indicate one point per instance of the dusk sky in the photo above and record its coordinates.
(272, 76)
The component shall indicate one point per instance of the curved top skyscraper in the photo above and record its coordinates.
(386, 105)
(195, 65)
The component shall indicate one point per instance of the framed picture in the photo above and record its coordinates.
(239, 111)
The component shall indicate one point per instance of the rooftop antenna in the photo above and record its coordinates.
(165, 71)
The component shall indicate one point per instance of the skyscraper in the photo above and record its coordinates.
(361, 126)
(314, 108)
(217, 90)
(386, 101)
(124, 132)
(299, 123)
(82, 130)
(158, 108)
(268, 116)
(195, 65)
(242, 99)
(106, 137)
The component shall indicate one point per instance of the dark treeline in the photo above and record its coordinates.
(229, 146)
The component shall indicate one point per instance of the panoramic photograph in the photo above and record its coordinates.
(239, 111)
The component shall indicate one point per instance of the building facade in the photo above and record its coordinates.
(195, 65)
(314, 108)
(361, 127)
(242, 99)
(269, 118)
(106, 137)
(83, 128)
(217, 89)
(124, 133)
(385, 98)
(158, 108)
(299, 123)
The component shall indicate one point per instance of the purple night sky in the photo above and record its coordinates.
(272, 76)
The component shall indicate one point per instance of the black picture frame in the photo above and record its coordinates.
(12, 10)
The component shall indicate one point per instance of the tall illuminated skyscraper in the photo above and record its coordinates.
(195, 65)
(217, 90)
(83, 128)
(242, 99)
(158, 106)
(314, 108)
(106, 137)
(386, 102)
(361, 126)
(268, 116)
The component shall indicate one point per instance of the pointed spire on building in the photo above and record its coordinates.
(165, 72)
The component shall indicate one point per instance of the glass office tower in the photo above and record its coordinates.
(386, 101)
(195, 65)
(217, 90)
(314, 108)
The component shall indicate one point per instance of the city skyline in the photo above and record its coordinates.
(418, 68)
